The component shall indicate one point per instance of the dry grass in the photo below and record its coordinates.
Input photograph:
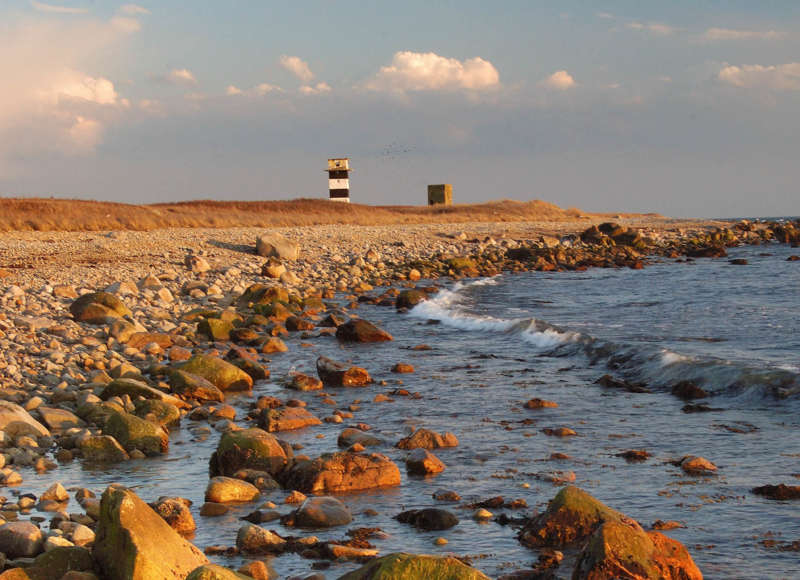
(36, 214)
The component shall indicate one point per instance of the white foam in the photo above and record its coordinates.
(546, 338)
(440, 310)
(668, 357)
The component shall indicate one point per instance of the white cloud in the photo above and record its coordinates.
(74, 86)
(264, 88)
(317, 89)
(782, 77)
(85, 133)
(233, 90)
(416, 71)
(180, 76)
(133, 9)
(560, 80)
(655, 28)
(55, 9)
(714, 34)
(257, 91)
(298, 67)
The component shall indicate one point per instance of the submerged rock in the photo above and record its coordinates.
(427, 439)
(322, 512)
(134, 543)
(340, 472)
(779, 492)
(360, 330)
(415, 566)
(428, 518)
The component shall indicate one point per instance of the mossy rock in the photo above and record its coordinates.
(134, 389)
(98, 308)
(276, 311)
(571, 516)
(463, 266)
(63, 559)
(313, 305)
(249, 449)
(102, 449)
(215, 328)
(224, 375)
(263, 294)
(256, 371)
(135, 433)
(167, 414)
(198, 314)
(192, 386)
(215, 572)
(410, 298)
(98, 413)
(404, 566)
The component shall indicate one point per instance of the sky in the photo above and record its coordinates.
(684, 108)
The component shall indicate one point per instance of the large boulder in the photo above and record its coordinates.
(360, 330)
(624, 550)
(336, 374)
(428, 518)
(248, 449)
(192, 386)
(102, 449)
(56, 562)
(571, 516)
(401, 566)
(15, 421)
(350, 436)
(135, 388)
(222, 374)
(410, 298)
(427, 439)
(287, 419)
(274, 244)
(98, 308)
(175, 511)
(134, 543)
(59, 420)
(342, 472)
(133, 432)
(20, 539)
(215, 572)
(230, 490)
(322, 512)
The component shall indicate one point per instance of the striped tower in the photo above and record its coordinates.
(339, 179)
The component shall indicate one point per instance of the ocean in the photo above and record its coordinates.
(491, 345)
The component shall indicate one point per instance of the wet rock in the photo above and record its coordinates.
(336, 374)
(134, 433)
(778, 492)
(612, 383)
(193, 386)
(224, 375)
(537, 403)
(446, 495)
(422, 462)
(165, 414)
(216, 329)
(255, 539)
(55, 492)
(215, 572)
(635, 455)
(211, 509)
(428, 518)
(175, 511)
(621, 549)
(360, 330)
(402, 368)
(571, 516)
(248, 449)
(16, 421)
(59, 420)
(694, 465)
(20, 539)
(102, 449)
(278, 246)
(222, 489)
(559, 432)
(410, 298)
(350, 436)
(135, 388)
(287, 419)
(133, 542)
(98, 308)
(404, 565)
(298, 323)
(273, 345)
(301, 382)
(687, 390)
(706, 252)
(427, 439)
(322, 512)
(341, 472)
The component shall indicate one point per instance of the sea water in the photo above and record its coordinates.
(494, 344)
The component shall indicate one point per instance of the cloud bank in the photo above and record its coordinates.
(782, 77)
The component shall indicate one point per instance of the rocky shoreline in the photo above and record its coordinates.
(109, 341)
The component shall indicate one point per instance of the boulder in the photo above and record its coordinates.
(228, 490)
(175, 511)
(165, 414)
(422, 462)
(255, 539)
(287, 419)
(102, 449)
(410, 298)
(360, 330)
(263, 294)
(216, 329)
(134, 433)
(274, 244)
(59, 420)
(337, 374)
(272, 345)
(135, 388)
(342, 472)
(16, 421)
(428, 519)
(98, 308)
(248, 449)
(571, 516)
(322, 512)
(224, 375)
(778, 492)
(694, 465)
(621, 549)
(215, 572)
(193, 386)
(56, 562)
(134, 543)
(20, 539)
(350, 436)
(427, 439)
(301, 382)
(413, 566)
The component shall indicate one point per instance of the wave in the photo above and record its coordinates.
(657, 367)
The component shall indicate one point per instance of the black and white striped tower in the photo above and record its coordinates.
(339, 179)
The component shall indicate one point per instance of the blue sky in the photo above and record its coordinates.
(681, 108)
